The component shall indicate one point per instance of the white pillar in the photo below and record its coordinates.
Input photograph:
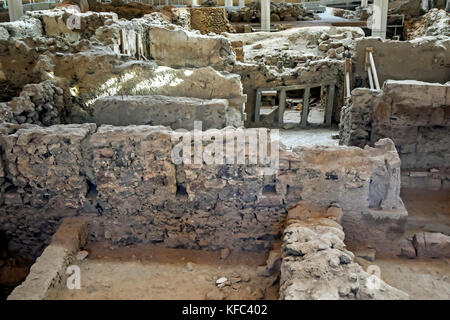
(241, 3)
(379, 19)
(228, 3)
(194, 3)
(364, 3)
(265, 15)
(15, 9)
(425, 5)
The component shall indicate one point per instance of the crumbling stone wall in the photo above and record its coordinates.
(210, 20)
(103, 56)
(423, 59)
(174, 112)
(414, 114)
(434, 23)
(41, 104)
(182, 48)
(278, 12)
(316, 264)
(294, 56)
(124, 180)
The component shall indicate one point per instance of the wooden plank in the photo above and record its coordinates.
(305, 108)
(272, 93)
(330, 102)
(282, 105)
(300, 86)
(258, 105)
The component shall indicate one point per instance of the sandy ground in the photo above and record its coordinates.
(143, 272)
(421, 279)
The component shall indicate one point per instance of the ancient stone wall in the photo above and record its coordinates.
(404, 60)
(414, 114)
(174, 112)
(207, 20)
(181, 48)
(316, 264)
(125, 181)
(65, 61)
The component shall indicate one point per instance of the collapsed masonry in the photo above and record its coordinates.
(316, 264)
(85, 136)
(278, 12)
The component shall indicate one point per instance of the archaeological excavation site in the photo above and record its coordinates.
(224, 150)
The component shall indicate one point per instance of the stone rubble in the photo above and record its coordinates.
(435, 22)
(278, 12)
(316, 264)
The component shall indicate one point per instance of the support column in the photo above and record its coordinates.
(194, 3)
(241, 3)
(364, 3)
(15, 9)
(379, 19)
(228, 3)
(265, 15)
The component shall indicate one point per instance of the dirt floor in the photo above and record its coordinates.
(144, 272)
(421, 279)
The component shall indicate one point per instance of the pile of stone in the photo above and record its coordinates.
(434, 23)
(337, 46)
(278, 12)
(238, 47)
(316, 264)
(40, 104)
(129, 10)
(347, 14)
(210, 20)
(209, 3)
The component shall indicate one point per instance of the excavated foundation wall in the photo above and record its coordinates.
(423, 59)
(83, 67)
(414, 114)
(124, 180)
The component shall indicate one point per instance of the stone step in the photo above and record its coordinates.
(174, 112)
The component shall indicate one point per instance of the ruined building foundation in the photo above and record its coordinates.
(268, 150)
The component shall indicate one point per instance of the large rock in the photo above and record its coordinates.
(181, 48)
(431, 245)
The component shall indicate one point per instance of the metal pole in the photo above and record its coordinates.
(374, 71)
(369, 71)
